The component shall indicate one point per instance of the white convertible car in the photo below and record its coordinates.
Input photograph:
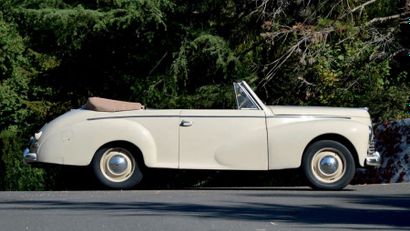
(117, 138)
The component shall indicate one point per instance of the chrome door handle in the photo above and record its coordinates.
(185, 123)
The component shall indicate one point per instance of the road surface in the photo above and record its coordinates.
(368, 207)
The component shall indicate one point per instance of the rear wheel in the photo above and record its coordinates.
(328, 165)
(116, 167)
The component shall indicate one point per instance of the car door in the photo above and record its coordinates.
(223, 139)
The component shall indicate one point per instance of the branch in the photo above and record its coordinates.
(382, 19)
(362, 6)
(397, 52)
(306, 82)
(157, 64)
(309, 36)
(277, 64)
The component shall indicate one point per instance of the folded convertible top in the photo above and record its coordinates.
(110, 105)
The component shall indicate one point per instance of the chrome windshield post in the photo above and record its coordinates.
(244, 99)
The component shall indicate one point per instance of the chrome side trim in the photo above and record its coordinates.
(222, 116)
(218, 116)
(174, 116)
(308, 116)
(134, 116)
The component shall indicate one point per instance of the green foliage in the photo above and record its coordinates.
(15, 175)
(71, 26)
(199, 69)
(19, 69)
(349, 75)
(14, 76)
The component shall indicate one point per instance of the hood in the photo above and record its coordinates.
(319, 111)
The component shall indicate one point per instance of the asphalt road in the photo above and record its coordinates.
(382, 207)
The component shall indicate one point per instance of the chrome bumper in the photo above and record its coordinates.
(29, 157)
(374, 159)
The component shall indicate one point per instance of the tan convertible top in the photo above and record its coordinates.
(110, 105)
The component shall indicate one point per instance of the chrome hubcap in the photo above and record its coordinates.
(328, 165)
(117, 164)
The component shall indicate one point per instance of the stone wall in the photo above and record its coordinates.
(393, 143)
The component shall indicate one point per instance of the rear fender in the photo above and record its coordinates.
(77, 144)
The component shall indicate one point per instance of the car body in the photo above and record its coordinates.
(327, 143)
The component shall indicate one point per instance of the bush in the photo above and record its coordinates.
(14, 174)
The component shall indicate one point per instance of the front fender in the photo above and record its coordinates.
(288, 138)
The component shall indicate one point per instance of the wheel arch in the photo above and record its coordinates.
(133, 148)
(338, 138)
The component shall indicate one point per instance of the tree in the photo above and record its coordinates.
(337, 54)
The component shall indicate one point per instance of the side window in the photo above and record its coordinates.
(243, 99)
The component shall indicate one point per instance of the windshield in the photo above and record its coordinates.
(243, 99)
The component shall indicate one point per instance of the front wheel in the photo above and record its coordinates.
(328, 165)
(116, 167)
